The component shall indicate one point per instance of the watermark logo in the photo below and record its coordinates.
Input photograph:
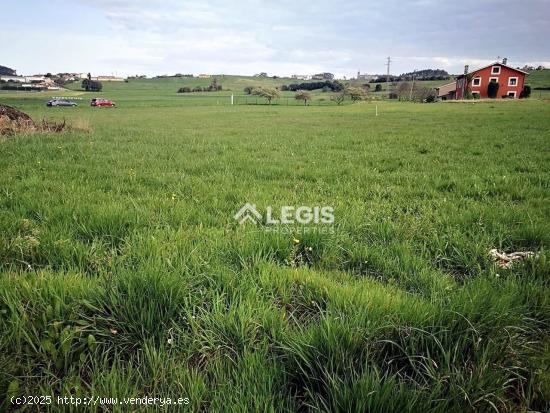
(248, 213)
(287, 216)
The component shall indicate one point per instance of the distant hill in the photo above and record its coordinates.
(539, 79)
(7, 71)
(426, 74)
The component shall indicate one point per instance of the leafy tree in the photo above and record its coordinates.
(92, 85)
(268, 93)
(329, 84)
(378, 88)
(303, 95)
(248, 90)
(356, 93)
(214, 86)
(492, 89)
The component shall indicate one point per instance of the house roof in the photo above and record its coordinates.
(446, 84)
(446, 89)
(496, 64)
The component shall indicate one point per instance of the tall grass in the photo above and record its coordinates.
(123, 273)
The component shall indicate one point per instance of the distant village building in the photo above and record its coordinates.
(37, 82)
(323, 76)
(108, 79)
(366, 77)
(510, 81)
(261, 74)
(301, 77)
(204, 76)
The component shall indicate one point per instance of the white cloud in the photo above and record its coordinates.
(280, 37)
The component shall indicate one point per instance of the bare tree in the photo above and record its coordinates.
(403, 90)
(339, 97)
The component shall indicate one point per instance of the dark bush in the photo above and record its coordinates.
(92, 85)
(492, 89)
(526, 92)
(334, 86)
(185, 89)
(378, 88)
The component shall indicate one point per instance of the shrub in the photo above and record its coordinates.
(197, 89)
(356, 93)
(339, 97)
(185, 89)
(92, 85)
(526, 92)
(334, 86)
(378, 88)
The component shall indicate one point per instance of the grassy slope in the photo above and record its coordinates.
(539, 78)
(123, 272)
(147, 89)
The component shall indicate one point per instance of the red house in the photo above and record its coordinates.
(510, 81)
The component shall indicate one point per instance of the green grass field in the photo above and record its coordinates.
(124, 274)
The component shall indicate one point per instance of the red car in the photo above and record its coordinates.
(102, 102)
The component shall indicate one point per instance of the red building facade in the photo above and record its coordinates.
(510, 82)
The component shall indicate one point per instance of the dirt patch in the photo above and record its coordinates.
(14, 114)
(13, 121)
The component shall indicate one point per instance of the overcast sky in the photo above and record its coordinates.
(280, 37)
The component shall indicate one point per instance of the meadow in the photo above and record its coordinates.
(123, 272)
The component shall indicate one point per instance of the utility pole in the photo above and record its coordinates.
(388, 76)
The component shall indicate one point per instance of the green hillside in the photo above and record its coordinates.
(539, 78)
(123, 272)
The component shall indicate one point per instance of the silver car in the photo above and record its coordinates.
(60, 102)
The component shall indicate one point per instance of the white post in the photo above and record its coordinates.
(376, 110)
(231, 98)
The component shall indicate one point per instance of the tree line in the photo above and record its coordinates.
(327, 85)
(213, 87)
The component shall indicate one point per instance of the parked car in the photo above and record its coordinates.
(60, 102)
(102, 102)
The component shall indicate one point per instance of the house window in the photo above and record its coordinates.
(512, 81)
(476, 81)
(493, 79)
(511, 94)
(495, 70)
